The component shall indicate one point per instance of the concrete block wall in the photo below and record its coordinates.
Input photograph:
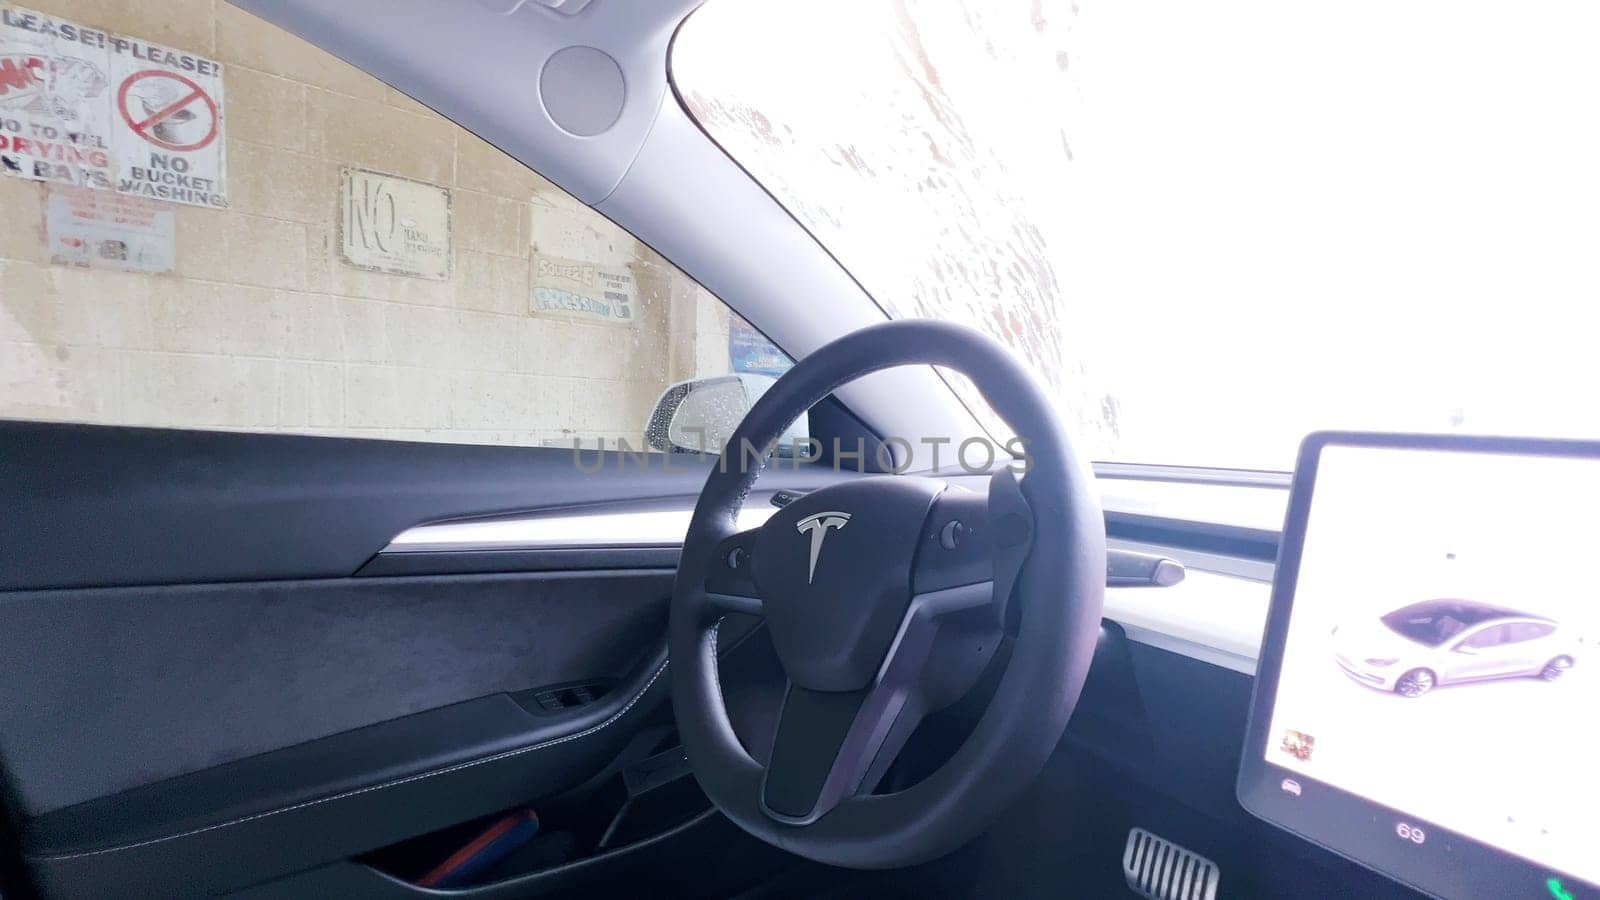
(262, 327)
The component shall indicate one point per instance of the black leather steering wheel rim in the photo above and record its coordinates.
(1059, 592)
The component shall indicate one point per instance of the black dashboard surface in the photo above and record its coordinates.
(1164, 733)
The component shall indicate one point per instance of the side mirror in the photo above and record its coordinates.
(1467, 649)
(699, 416)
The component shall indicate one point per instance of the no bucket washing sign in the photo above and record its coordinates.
(163, 121)
(167, 133)
(100, 110)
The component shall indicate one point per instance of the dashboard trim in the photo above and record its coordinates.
(1215, 615)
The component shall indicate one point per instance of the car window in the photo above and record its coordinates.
(1527, 631)
(213, 224)
(1493, 636)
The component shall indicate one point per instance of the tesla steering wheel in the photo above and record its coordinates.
(886, 598)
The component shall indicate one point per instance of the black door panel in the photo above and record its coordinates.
(266, 816)
(214, 681)
(112, 688)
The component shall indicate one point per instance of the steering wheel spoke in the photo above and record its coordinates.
(832, 745)
(973, 537)
(735, 603)
(729, 583)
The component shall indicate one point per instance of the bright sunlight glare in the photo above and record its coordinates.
(1212, 228)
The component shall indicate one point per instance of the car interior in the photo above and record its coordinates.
(819, 660)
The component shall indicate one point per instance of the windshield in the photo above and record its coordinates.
(1210, 228)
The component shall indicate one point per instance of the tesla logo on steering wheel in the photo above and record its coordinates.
(817, 526)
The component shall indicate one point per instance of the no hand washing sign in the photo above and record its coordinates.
(99, 110)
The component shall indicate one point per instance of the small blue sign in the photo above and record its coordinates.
(750, 351)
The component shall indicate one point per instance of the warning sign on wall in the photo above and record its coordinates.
(394, 225)
(89, 108)
(572, 289)
(104, 230)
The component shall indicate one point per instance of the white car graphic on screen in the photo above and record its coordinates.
(1418, 647)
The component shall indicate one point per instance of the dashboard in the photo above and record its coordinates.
(1251, 712)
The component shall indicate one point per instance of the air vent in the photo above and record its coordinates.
(1161, 870)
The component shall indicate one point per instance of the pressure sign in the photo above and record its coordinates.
(89, 108)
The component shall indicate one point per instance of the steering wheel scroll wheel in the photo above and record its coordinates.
(886, 598)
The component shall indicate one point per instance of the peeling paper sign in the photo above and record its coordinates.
(583, 291)
(394, 225)
(103, 230)
(88, 108)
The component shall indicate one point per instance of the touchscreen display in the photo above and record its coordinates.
(1436, 660)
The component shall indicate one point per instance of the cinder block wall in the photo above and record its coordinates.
(264, 328)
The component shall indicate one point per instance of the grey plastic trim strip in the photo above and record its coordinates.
(1256, 478)
(661, 524)
(561, 559)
